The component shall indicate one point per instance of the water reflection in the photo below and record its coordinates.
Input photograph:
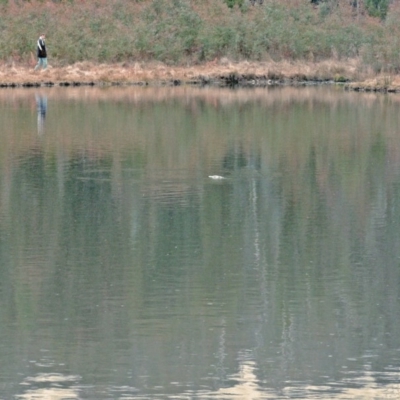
(127, 272)
(247, 387)
(242, 385)
(41, 104)
(50, 387)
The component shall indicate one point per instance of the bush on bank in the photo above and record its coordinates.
(196, 31)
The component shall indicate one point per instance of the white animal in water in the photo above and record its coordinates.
(216, 177)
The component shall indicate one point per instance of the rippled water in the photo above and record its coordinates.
(129, 271)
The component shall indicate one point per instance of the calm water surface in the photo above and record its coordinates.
(126, 272)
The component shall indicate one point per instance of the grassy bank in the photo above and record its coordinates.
(218, 72)
(191, 33)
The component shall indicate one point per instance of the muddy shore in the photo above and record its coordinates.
(219, 72)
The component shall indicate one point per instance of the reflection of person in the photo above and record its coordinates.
(41, 103)
(41, 52)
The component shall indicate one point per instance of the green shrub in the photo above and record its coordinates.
(167, 31)
(233, 3)
(377, 8)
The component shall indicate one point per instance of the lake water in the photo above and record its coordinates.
(126, 272)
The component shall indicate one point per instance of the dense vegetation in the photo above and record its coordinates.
(196, 31)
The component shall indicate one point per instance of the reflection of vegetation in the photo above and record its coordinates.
(111, 230)
(235, 159)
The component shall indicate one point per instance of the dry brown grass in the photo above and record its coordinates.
(155, 72)
(381, 82)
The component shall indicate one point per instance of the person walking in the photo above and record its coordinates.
(41, 52)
